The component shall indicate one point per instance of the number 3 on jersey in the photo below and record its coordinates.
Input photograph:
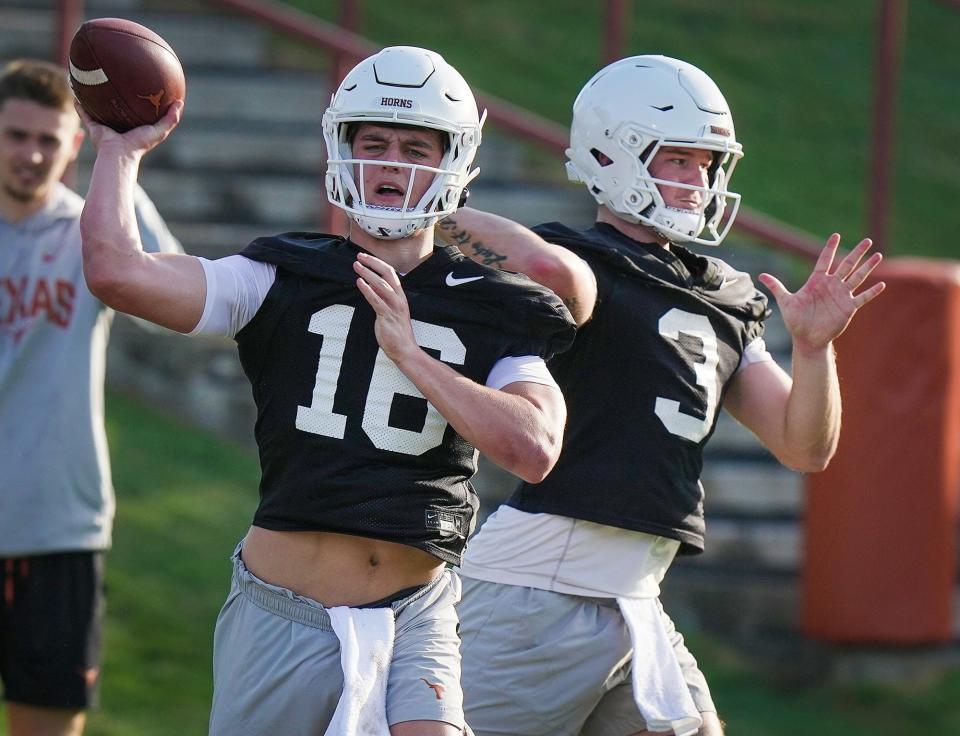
(671, 325)
(333, 324)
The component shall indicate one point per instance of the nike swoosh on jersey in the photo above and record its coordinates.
(454, 281)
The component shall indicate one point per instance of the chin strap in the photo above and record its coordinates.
(683, 225)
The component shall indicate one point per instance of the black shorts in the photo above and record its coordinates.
(51, 619)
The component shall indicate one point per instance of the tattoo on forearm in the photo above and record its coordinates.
(572, 303)
(459, 237)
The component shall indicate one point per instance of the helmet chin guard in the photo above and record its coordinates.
(408, 86)
(624, 115)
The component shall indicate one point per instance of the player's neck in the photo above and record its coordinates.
(633, 230)
(404, 254)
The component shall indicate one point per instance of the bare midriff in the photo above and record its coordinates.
(336, 569)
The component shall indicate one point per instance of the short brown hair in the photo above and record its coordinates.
(37, 81)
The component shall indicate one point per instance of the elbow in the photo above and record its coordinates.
(529, 444)
(818, 463)
(554, 273)
(97, 271)
(107, 268)
(567, 281)
(98, 267)
(111, 278)
(807, 467)
(548, 271)
(102, 278)
(537, 461)
(812, 461)
(534, 472)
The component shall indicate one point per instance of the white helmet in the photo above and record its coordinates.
(408, 86)
(622, 117)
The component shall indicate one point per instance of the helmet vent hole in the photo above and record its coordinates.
(600, 157)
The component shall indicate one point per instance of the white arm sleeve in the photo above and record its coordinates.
(236, 287)
(530, 368)
(754, 352)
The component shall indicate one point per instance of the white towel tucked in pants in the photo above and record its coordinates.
(659, 689)
(366, 648)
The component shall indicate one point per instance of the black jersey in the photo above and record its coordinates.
(347, 443)
(643, 383)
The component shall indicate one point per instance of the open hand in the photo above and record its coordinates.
(380, 286)
(821, 309)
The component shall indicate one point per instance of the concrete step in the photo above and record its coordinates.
(751, 544)
(257, 96)
(26, 32)
(752, 489)
(197, 33)
(294, 145)
(239, 113)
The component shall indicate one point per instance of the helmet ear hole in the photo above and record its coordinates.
(710, 210)
(715, 164)
(648, 151)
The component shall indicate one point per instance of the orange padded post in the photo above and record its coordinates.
(881, 522)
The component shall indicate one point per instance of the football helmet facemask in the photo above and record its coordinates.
(630, 110)
(402, 85)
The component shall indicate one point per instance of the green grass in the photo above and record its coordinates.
(798, 77)
(185, 498)
(753, 705)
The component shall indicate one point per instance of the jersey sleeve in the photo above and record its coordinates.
(739, 297)
(236, 287)
(539, 324)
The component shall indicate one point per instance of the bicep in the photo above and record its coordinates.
(757, 398)
(568, 276)
(167, 289)
(527, 376)
(547, 399)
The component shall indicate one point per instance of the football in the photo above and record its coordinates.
(123, 74)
